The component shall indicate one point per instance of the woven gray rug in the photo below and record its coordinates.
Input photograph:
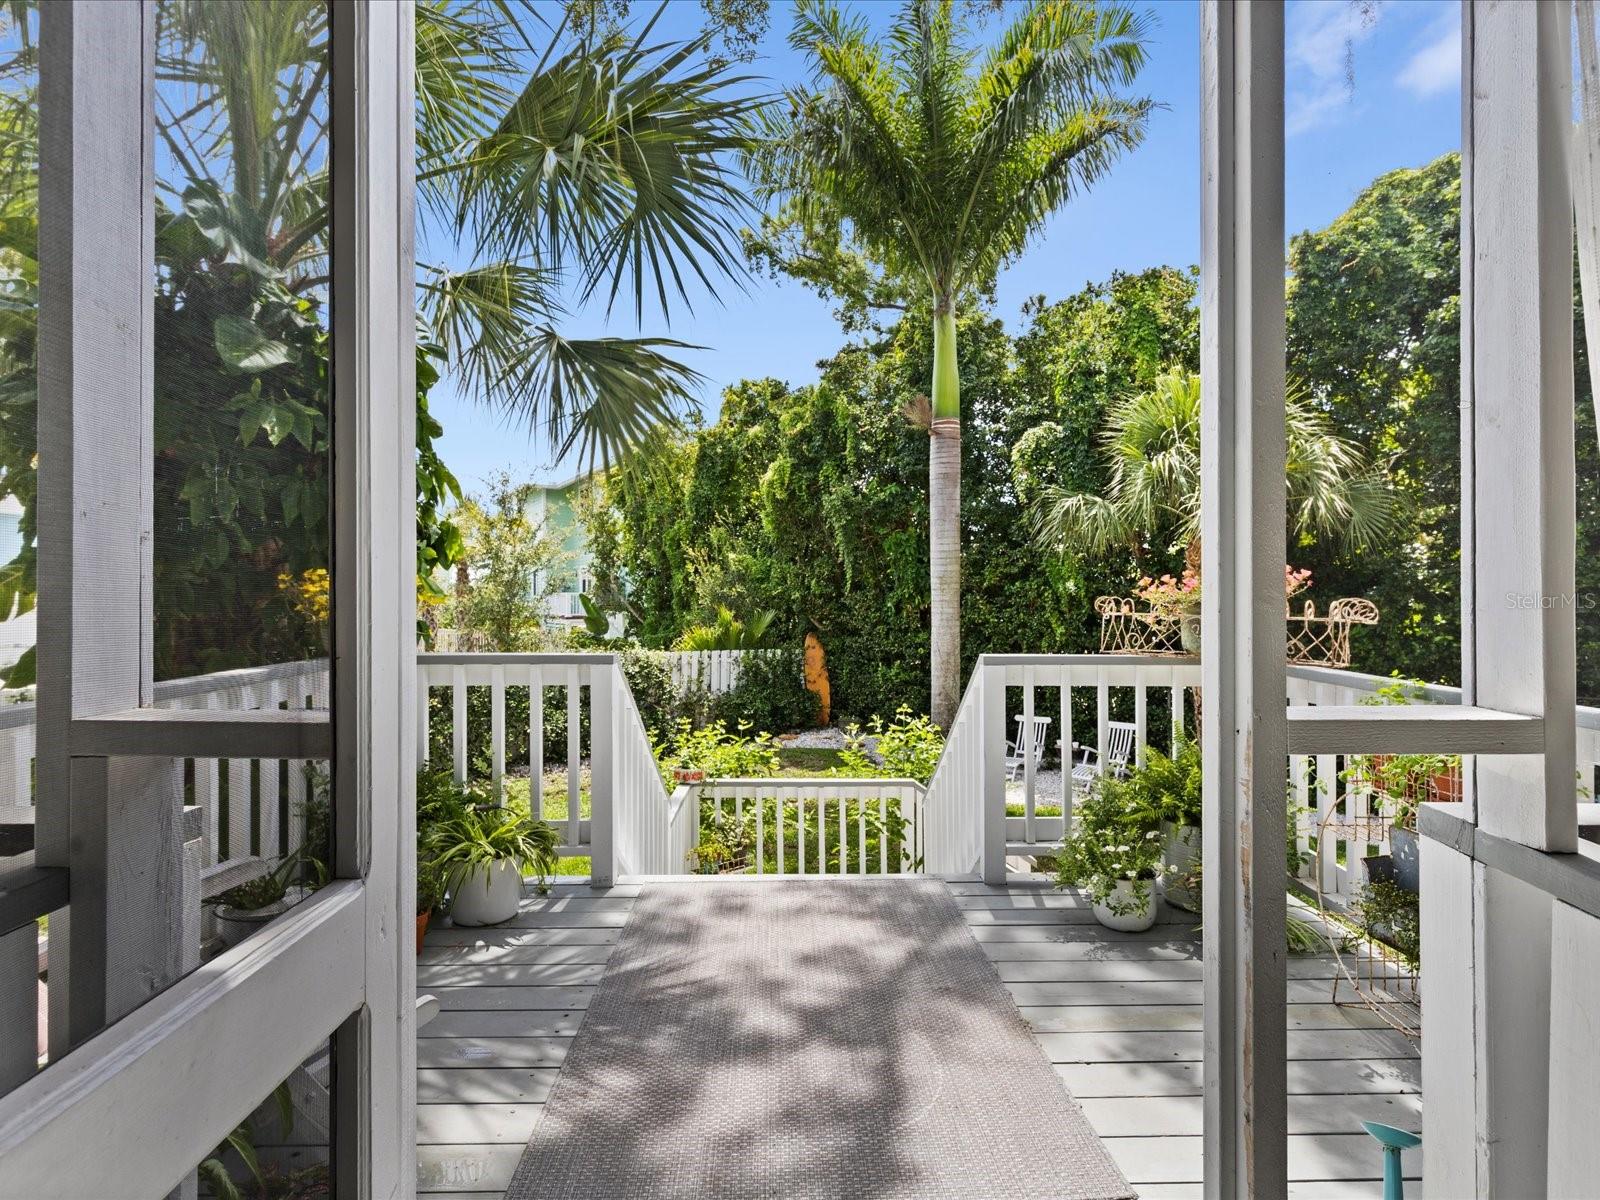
(807, 1041)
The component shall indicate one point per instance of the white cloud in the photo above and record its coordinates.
(1320, 33)
(1436, 66)
(1320, 37)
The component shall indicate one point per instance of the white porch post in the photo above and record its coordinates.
(1486, 1052)
(374, 580)
(1243, 730)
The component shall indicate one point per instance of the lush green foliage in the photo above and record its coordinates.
(909, 747)
(718, 751)
(1152, 449)
(813, 501)
(511, 562)
(771, 694)
(727, 632)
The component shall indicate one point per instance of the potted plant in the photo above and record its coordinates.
(482, 854)
(1114, 855)
(430, 894)
(1168, 790)
(1177, 600)
(724, 848)
(244, 908)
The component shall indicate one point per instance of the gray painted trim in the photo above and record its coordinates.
(28, 892)
(152, 1095)
(287, 733)
(1571, 878)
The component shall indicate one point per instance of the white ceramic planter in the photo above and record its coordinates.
(487, 895)
(1124, 896)
(1180, 848)
(236, 924)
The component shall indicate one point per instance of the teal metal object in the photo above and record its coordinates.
(1393, 1142)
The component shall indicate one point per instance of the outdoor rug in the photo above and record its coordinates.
(796, 1040)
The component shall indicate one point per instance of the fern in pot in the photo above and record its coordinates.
(482, 855)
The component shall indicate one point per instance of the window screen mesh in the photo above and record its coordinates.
(242, 379)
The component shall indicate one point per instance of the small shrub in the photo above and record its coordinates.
(771, 694)
(909, 747)
(719, 752)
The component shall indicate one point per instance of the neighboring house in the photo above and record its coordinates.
(553, 507)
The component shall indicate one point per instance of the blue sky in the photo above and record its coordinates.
(1402, 110)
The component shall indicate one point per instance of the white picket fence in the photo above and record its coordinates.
(713, 672)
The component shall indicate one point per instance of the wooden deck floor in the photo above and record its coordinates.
(1118, 1015)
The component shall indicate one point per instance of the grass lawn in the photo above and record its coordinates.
(803, 762)
(555, 809)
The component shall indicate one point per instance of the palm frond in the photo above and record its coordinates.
(612, 154)
(480, 317)
(597, 398)
(1067, 522)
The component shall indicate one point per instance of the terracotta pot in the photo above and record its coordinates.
(486, 895)
(422, 927)
(1136, 921)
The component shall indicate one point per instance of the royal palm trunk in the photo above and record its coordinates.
(944, 518)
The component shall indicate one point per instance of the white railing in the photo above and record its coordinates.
(972, 773)
(953, 809)
(822, 826)
(251, 810)
(642, 829)
(1318, 784)
(626, 828)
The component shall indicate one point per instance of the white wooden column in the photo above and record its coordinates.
(1243, 734)
(1486, 1049)
(113, 822)
(374, 580)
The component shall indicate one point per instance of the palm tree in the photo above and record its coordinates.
(1152, 495)
(941, 160)
(595, 166)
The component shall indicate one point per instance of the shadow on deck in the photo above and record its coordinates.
(1119, 1016)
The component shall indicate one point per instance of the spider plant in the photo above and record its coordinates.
(476, 839)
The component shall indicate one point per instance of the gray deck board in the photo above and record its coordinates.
(1118, 1014)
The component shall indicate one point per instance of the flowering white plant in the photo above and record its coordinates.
(1115, 840)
